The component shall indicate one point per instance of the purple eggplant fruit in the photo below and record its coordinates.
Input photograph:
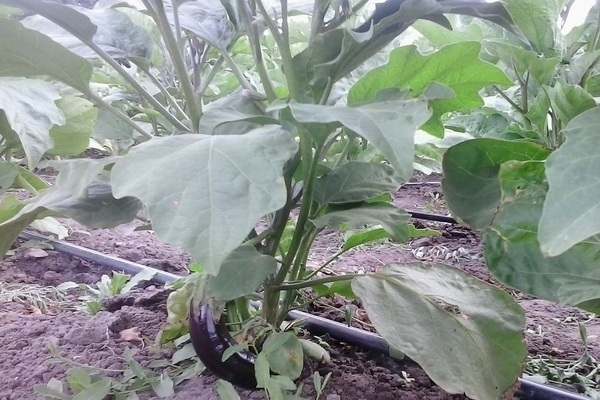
(210, 340)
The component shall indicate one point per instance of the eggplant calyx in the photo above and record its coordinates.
(211, 339)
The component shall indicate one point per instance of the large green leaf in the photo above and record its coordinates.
(471, 185)
(31, 112)
(466, 334)
(354, 181)
(205, 193)
(32, 53)
(8, 174)
(571, 210)
(284, 354)
(73, 138)
(99, 209)
(242, 272)
(512, 250)
(392, 219)
(389, 123)
(456, 66)
(537, 19)
(116, 34)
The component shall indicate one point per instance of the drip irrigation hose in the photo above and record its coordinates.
(432, 217)
(316, 325)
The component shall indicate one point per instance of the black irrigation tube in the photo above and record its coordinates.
(432, 217)
(314, 324)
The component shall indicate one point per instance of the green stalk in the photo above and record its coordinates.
(318, 19)
(26, 185)
(284, 47)
(139, 88)
(120, 115)
(160, 17)
(314, 282)
(210, 76)
(253, 38)
(172, 101)
(236, 71)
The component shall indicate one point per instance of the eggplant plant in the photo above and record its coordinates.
(529, 180)
(243, 130)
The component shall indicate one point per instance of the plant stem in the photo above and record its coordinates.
(139, 88)
(236, 71)
(160, 17)
(120, 115)
(172, 101)
(254, 40)
(314, 282)
(210, 76)
(326, 263)
(284, 48)
(318, 18)
(259, 238)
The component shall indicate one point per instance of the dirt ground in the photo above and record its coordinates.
(28, 328)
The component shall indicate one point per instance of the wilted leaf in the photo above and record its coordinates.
(442, 317)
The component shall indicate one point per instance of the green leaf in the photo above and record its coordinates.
(99, 209)
(571, 210)
(568, 101)
(73, 138)
(218, 187)
(142, 276)
(185, 353)
(115, 33)
(31, 112)
(96, 391)
(206, 19)
(32, 53)
(8, 174)
(440, 36)
(242, 273)
(512, 251)
(77, 175)
(110, 127)
(456, 66)
(532, 17)
(163, 386)
(284, 353)
(442, 317)
(471, 185)
(226, 391)
(389, 123)
(365, 237)
(334, 54)
(232, 114)
(353, 182)
(78, 379)
(524, 62)
(391, 218)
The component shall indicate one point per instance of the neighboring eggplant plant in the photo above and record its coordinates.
(245, 130)
(530, 178)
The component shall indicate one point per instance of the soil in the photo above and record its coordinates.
(28, 327)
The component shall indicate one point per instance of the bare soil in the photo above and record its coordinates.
(28, 328)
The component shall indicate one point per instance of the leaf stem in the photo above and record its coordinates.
(119, 114)
(136, 85)
(314, 282)
(160, 18)
(253, 38)
(284, 47)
